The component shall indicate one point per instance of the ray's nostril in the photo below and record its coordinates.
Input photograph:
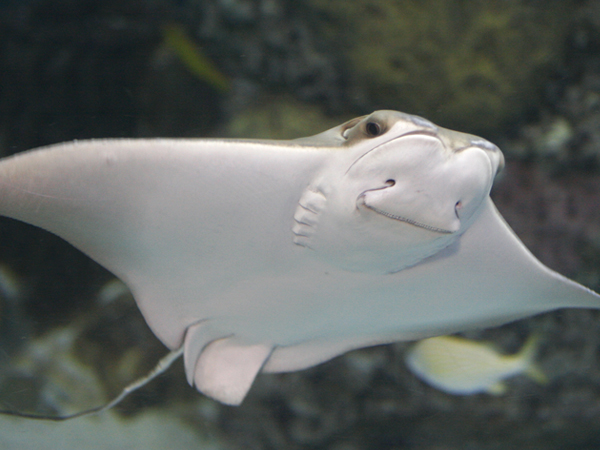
(390, 182)
(457, 207)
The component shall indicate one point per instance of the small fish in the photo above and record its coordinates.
(111, 291)
(193, 58)
(10, 287)
(460, 366)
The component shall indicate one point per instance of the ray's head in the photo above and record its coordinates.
(398, 189)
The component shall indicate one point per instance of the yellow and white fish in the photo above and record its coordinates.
(461, 366)
(111, 291)
(10, 285)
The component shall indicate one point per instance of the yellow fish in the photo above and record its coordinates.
(10, 287)
(460, 366)
(193, 58)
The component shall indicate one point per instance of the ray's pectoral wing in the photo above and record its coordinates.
(100, 196)
(78, 192)
(488, 277)
(494, 265)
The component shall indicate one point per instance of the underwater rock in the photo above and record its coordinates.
(153, 430)
(469, 65)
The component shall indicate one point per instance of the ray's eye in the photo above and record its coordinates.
(373, 129)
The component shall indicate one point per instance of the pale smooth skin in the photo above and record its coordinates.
(278, 255)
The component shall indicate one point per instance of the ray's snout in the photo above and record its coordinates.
(492, 151)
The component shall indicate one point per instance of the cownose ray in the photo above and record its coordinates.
(253, 256)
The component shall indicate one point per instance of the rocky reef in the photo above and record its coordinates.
(470, 65)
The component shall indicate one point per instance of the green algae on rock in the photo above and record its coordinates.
(472, 65)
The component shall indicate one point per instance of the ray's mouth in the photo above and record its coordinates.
(407, 220)
(416, 223)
